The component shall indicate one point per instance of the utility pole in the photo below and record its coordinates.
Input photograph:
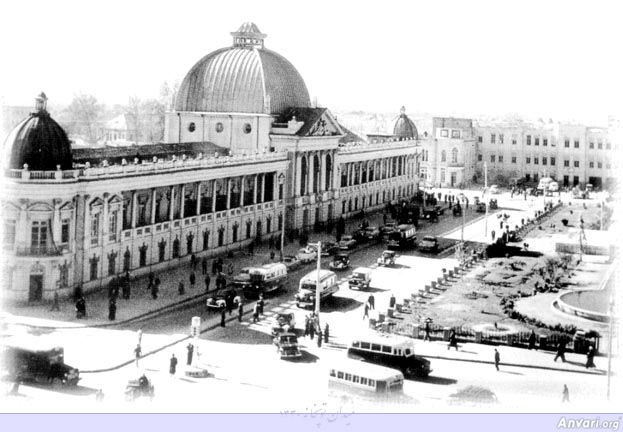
(317, 308)
(283, 233)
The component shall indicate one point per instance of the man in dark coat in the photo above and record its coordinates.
(532, 340)
(207, 282)
(326, 332)
(560, 352)
(191, 279)
(590, 355)
(260, 304)
(180, 288)
(496, 359)
(427, 331)
(392, 301)
(453, 342)
(312, 330)
(112, 309)
(81, 308)
(193, 261)
(204, 265)
(240, 311)
(172, 364)
(189, 353)
(371, 301)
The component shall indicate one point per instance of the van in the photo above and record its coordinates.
(360, 279)
(266, 279)
(306, 296)
(390, 351)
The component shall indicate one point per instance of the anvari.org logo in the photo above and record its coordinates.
(588, 423)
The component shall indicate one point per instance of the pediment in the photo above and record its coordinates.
(39, 206)
(96, 202)
(325, 125)
(69, 205)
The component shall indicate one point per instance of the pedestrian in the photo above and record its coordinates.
(532, 340)
(55, 304)
(496, 359)
(151, 279)
(319, 339)
(112, 309)
(560, 352)
(256, 312)
(180, 288)
(137, 353)
(204, 265)
(193, 261)
(453, 343)
(590, 355)
(191, 279)
(189, 354)
(229, 305)
(271, 242)
(427, 331)
(392, 301)
(525, 195)
(223, 315)
(312, 330)
(565, 393)
(501, 224)
(154, 291)
(81, 308)
(371, 301)
(240, 312)
(492, 235)
(172, 364)
(260, 304)
(326, 333)
(207, 282)
(365, 311)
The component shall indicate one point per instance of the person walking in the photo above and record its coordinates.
(240, 311)
(560, 352)
(312, 330)
(365, 311)
(193, 261)
(392, 301)
(191, 279)
(207, 282)
(453, 342)
(427, 331)
(190, 349)
(532, 341)
(326, 333)
(154, 290)
(223, 311)
(496, 359)
(371, 301)
(256, 312)
(112, 309)
(172, 365)
(319, 339)
(137, 353)
(180, 288)
(260, 304)
(204, 265)
(590, 355)
(565, 393)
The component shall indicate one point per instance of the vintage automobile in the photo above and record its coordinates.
(287, 345)
(242, 279)
(494, 189)
(389, 227)
(360, 279)
(284, 323)
(327, 248)
(41, 364)
(139, 387)
(307, 255)
(481, 207)
(429, 244)
(388, 258)
(225, 297)
(341, 261)
(291, 262)
(493, 204)
(347, 242)
(372, 233)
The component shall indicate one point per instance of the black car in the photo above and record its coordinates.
(42, 366)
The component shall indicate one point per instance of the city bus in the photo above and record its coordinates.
(403, 237)
(266, 279)
(306, 296)
(365, 379)
(389, 351)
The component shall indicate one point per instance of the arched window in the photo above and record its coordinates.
(443, 155)
(328, 173)
(316, 178)
(303, 175)
(455, 155)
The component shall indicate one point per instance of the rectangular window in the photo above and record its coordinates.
(356, 379)
(501, 137)
(500, 158)
(591, 164)
(528, 160)
(456, 133)
(479, 138)
(514, 141)
(376, 347)
(576, 164)
(552, 161)
(95, 228)
(514, 159)
(492, 138)
(364, 381)
(340, 375)
(600, 146)
(536, 141)
(348, 377)
(112, 225)
(591, 145)
(444, 133)
(39, 235)
(536, 160)
(365, 345)
(65, 231)
(387, 349)
(9, 232)
(371, 383)
(528, 139)
(479, 157)
(566, 143)
(544, 161)
(493, 158)
(599, 165)
(576, 144)
(544, 142)
(566, 163)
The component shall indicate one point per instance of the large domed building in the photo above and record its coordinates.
(404, 126)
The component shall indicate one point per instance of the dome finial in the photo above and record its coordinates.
(402, 110)
(41, 102)
(248, 36)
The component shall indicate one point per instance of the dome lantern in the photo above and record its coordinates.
(41, 102)
(248, 36)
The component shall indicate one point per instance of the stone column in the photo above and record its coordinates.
(172, 203)
(228, 193)
(262, 189)
(323, 172)
(213, 196)
(242, 191)
(310, 163)
(297, 177)
(154, 195)
(198, 198)
(255, 186)
(56, 222)
(104, 227)
(134, 208)
(182, 198)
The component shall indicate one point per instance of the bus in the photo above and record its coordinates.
(390, 351)
(365, 379)
(266, 279)
(403, 237)
(306, 296)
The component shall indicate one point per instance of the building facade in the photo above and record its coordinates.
(245, 154)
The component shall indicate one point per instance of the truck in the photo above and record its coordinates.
(36, 363)
(306, 295)
(403, 237)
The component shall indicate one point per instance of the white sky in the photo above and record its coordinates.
(557, 59)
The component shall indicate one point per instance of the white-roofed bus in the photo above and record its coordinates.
(365, 379)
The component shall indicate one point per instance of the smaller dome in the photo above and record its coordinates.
(404, 127)
(38, 141)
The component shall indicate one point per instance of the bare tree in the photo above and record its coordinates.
(82, 116)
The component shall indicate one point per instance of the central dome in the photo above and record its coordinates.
(244, 78)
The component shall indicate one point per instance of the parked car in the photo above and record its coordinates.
(328, 248)
(388, 228)
(360, 279)
(388, 258)
(494, 189)
(243, 278)
(287, 345)
(307, 255)
(372, 233)
(429, 244)
(347, 242)
(341, 261)
(291, 262)
(284, 323)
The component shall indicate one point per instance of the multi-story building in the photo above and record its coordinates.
(245, 154)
